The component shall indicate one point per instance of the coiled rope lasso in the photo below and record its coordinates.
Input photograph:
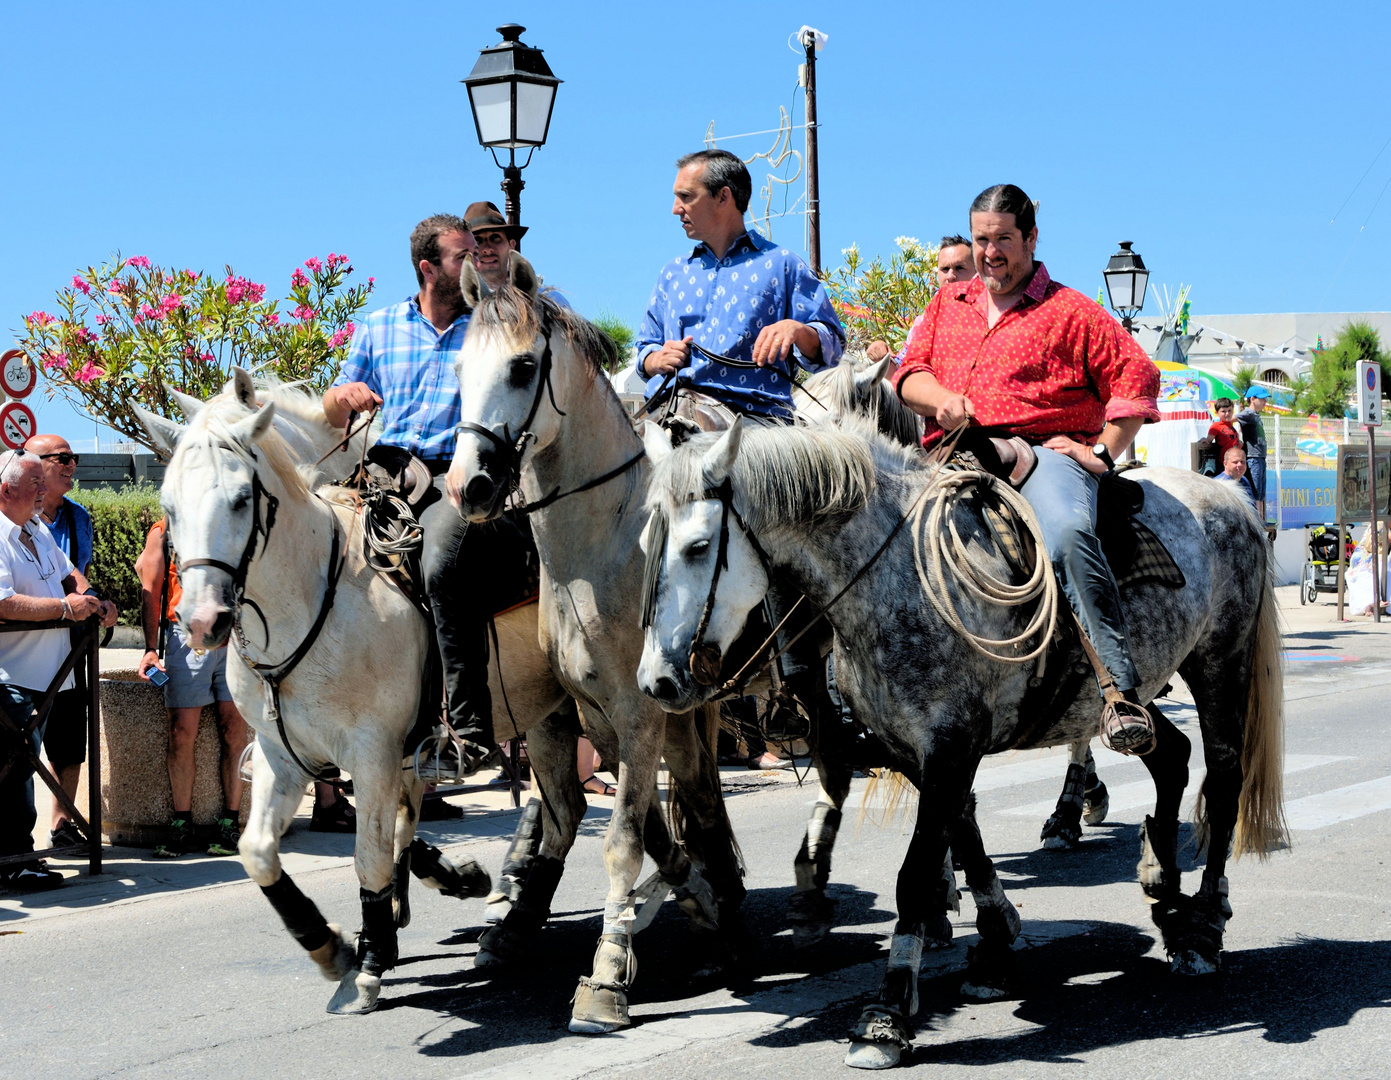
(942, 560)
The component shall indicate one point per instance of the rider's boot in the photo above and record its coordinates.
(1126, 725)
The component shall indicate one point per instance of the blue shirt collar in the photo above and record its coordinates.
(744, 243)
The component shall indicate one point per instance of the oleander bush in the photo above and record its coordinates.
(121, 520)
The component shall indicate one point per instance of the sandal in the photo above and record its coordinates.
(604, 788)
(338, 818)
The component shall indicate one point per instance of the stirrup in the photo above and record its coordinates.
(782, 721)
(1127, 728)
(244, 762)
(439, 758)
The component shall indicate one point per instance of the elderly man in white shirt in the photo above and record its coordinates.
(38, 583)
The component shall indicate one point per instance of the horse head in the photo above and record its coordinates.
(509, 379)
(214, 504)
(703, 575)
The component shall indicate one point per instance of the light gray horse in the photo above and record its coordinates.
(261, 551)
(538, 413)
(819, 503)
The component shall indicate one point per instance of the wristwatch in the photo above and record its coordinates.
(1105, 455)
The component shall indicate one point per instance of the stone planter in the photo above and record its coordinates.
(136, 800)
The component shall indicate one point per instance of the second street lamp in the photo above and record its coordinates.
(1126, 282)
(511, 91)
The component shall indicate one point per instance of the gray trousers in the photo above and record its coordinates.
(1063, 496)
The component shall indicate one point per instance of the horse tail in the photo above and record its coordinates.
(678, 806)
(900, 793)
(1260, 824)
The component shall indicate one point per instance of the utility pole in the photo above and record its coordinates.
(809, 41)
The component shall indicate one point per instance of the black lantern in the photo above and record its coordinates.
(1126, 282)
(511, 92)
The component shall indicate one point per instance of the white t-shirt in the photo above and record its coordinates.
(30, 658)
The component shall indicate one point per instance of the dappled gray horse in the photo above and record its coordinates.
(816, 505)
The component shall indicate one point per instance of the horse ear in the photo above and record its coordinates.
(719, 459)
(165, 433)
(243, 387)
(521, 275)
(865, 380)
(251, 429)
(189, 405)
(471, 285)
(656, 440)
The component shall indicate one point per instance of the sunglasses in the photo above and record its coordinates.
(63, 458)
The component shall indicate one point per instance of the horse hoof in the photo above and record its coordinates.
(1060, 835)
(812, 915)
(501, 945)
(806, 935)
(497, 909)
(401, 909)
(867, 1055)
(1189, 962)
(598, 1009)
(335, 957)
(356, 994)
(1096, 806)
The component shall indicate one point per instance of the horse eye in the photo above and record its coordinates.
(697, 550)
(523, 371)
(239, 503)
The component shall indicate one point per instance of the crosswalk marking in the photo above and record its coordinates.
(1341, 804)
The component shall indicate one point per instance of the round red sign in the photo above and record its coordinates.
(17, 375)
(17, 424)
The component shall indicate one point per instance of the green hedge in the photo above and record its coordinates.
(120, 522)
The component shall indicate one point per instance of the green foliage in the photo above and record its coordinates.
(120, 522)
(1335, 368)
(619, 332)
(878, 301)
(1243, 378)
(129, 331)
(1299, 388)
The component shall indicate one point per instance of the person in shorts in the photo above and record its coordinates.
(196, 678)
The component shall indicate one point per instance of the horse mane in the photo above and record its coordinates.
(836, 389)
(211, 427)
(513, 314)
(787, 476)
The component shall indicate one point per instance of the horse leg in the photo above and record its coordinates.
(810, 911)
(601, 998)
(526, 842)
(463, 879)
(276, 791)
(1096, 800)
(699, 823)
(883, 1032)
(990, 965)
(378, 782)
(1064, 828)
(551, 748)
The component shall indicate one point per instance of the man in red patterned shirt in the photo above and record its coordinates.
(1020, 354)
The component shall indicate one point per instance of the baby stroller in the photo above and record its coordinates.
(1321, 567)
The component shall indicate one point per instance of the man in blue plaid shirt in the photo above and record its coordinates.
(402, 360)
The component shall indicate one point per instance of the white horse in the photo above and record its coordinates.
(538, 412)
(262, 553)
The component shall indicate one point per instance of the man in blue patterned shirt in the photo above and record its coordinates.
(737, 295)
(402, 360)
(740, 296)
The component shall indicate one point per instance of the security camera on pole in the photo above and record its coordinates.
(1369, 412)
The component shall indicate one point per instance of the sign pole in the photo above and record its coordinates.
(1342, 562)
(1375, 545)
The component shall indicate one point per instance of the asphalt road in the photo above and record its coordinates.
(146, 974)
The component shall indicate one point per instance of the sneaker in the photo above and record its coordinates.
(32, 876)
(67, 835)
(226, 833)
(181, 839)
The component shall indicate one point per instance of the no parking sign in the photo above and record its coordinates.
(17, 424)
(1369, 393)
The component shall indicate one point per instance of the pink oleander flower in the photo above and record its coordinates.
(89, 372)
(371, 281)
(234, 292)
(172, 302)
(305, 313)
(345, 334)
(139, 261)
(40, 318)
(189, 351)
(102, 320)
(85, 334)
(297, 279)
(147, 312)
(115, 287)
(314, 264)
(335, 260)
(272, 319)
(207, 358)
(55, 360)
(81, 285)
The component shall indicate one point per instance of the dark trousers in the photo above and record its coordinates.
(17, 813)
(469, 571)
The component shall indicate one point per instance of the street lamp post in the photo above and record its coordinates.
(1126, 282)
(511, 91)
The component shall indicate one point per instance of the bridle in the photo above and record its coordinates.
(272, 675)
(511, 450)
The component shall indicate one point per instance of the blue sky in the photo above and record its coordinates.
(1221, 138)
